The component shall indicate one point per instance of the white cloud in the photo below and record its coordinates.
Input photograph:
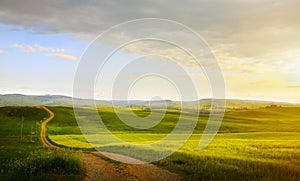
(62, 56)
(2, 51)
(48, 49)
(246, 28)
(35, 48)
(25, 48)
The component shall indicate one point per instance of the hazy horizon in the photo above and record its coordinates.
(204, 98)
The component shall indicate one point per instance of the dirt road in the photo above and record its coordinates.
(107, 171)
(99, 169)
(45, 142)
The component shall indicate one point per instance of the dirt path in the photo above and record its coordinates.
(100, 169)
(107, 171)
(45, 142)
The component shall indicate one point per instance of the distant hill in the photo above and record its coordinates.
(237, 104)
(47, 100)
(231, 104)
(60, 100)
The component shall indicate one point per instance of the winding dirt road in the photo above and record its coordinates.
(44, 139)
(99, 169)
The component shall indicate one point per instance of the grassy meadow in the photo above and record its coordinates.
(26, 158)
(255, 144)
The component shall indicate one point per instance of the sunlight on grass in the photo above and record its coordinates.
(260, 144)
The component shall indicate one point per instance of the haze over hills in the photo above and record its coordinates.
(46, 100)
(61, 100)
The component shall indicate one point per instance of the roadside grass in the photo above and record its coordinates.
(29, 160)
(258, 144)
(46, 165)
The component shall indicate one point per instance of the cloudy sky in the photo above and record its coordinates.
(256, 43)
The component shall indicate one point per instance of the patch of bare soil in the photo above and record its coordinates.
(98, 168)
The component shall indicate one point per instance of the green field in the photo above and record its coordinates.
(27, 159)
(257, 144)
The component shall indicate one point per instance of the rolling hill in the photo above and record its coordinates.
(60, 100)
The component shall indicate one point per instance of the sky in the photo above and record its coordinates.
(256, 44)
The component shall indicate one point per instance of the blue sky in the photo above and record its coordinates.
(23, 71)
(256, 44)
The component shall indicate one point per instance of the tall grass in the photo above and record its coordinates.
(245, 156)
(45, 165)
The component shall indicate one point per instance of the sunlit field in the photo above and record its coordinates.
(257, 144)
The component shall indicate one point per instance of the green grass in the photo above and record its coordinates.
(240, 156)
(258, 144)
(29, 160)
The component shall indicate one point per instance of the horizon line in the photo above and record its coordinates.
(104, 99)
